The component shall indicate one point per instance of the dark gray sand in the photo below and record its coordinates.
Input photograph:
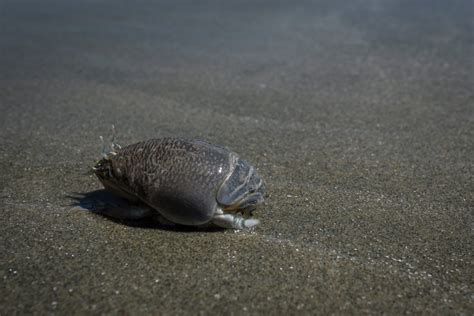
(358, 114)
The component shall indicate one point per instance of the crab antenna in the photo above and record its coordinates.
(104, 153)
(112, 141)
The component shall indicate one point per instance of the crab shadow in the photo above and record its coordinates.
(98, 201)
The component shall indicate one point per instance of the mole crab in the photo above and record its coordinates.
(188, 182)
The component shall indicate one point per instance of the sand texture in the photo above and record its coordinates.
(358, 114)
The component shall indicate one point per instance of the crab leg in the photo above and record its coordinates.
(233, 221)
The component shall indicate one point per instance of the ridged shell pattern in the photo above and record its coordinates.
(178, 177)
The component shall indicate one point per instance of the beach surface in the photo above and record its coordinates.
(359, 115)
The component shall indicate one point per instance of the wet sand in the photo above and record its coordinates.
(358, 114)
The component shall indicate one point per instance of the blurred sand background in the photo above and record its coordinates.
(358, 114)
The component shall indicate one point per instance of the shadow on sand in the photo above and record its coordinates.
(99, 201)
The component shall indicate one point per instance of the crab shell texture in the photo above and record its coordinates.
(187, 181)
